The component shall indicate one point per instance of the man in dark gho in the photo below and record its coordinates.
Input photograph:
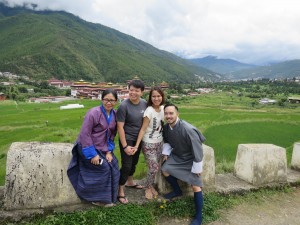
(183, 154)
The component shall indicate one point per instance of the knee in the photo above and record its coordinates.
(196, 188)
(165, 174)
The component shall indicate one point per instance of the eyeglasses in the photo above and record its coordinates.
(109, 100)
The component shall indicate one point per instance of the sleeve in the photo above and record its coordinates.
(167, 149)
(121, 113)
(85, 136)
(148, 113)
(195, 138)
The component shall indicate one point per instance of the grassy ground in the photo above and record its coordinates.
(154, 212)
(225, 119)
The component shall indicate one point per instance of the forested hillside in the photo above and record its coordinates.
(44, 44)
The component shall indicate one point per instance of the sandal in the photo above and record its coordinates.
(136, 186)
(124, 201)
(101, 204)
(98, 203)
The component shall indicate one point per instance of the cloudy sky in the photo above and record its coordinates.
(250, 31)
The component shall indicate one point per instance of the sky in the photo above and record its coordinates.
(250, 31)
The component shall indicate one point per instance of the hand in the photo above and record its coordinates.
(165, 157)
(95, 160)
(134, 149)
(198, 174)
(109, 157)
(128, 150)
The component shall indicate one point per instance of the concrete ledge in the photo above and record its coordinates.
(261, 164)
(36, 176)
(295, 164)
(208, 175)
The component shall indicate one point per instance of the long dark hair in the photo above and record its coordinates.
(160, 91)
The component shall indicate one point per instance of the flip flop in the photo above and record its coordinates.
(98, 203)
(125, 201)
(136, 186)
(101, 204)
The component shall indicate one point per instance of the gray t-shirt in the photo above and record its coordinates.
(132, 117)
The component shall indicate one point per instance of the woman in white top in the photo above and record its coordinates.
(151, 137)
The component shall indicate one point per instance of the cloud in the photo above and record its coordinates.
(251, 31)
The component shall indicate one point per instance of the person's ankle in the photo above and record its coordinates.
(173, 194)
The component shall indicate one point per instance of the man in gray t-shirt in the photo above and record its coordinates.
(129, 122)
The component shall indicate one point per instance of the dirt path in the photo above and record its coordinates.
(279, 209)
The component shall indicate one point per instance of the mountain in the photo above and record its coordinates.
(287, 69)
(44, 44)
(222, 66)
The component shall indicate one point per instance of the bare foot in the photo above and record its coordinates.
(123, 199)
(154, 192)
(148, 194)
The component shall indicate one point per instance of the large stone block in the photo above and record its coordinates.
(36, 176)
(296, 156)
(261, 164)
(208, 175)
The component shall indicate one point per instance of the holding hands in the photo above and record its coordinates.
(129, 150)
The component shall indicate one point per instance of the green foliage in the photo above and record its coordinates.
(49, 44)
(151, 212)
(121, 214)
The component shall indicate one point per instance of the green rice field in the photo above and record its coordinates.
(225, 120)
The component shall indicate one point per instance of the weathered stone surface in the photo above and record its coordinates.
(36, 176)
(261, 164)
(295, 164)
(208, 175)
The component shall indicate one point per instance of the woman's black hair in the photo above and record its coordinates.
(160, 91)
(109, 91)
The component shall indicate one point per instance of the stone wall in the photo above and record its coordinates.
(36, 176)
(261, 164)
(36, 172)
(296, 156)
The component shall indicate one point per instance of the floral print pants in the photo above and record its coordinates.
(152, 153)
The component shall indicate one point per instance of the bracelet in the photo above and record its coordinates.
(125, 147)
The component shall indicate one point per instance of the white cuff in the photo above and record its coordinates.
(167, 149)
(197, 167)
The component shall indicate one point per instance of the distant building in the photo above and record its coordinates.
(294, 99)
(267, 101)
(61, 84)
(83, 89)
(2, 96)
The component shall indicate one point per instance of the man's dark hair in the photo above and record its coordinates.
(171, 104)
(137, 84)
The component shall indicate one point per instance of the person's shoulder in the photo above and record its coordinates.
(143, 101)
(149, 109)
(124, 102)
(94, 109)
(187, 124)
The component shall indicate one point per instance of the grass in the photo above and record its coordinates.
(152, 212)
(225, 119)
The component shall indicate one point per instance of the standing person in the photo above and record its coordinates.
(183, 157)
(93, 170)
(129, 122)
(151, 137)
